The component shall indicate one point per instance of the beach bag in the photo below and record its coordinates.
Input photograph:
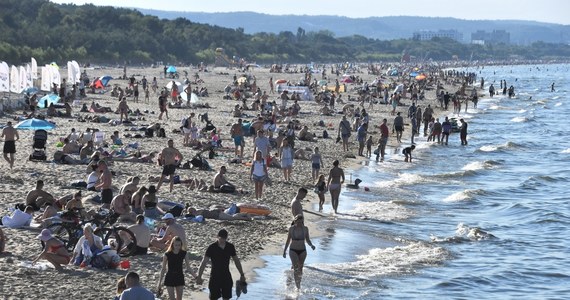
(325, 134)
(149, 132)
(211, 153)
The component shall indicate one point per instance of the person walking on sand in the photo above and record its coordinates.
(173, 260)
(344, 132)
(258, 173)
(170, 158)
(334, 183)
(297, 236)
(123, 109)
(163, 104)
(236, 132)
(135, 291)
(398, 127)
(219, 253)
(316, 163)
(10, 136)
(296, 205)
(286, 156)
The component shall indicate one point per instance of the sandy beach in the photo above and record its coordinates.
(251, 238)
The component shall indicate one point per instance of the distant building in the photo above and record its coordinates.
(482, 37)
(426, 35)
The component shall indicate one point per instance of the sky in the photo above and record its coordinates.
(551, 11)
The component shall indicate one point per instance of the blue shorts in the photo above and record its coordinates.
(316, 166)
(238, 140)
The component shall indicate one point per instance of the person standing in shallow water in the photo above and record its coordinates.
(334, 183)
(463, 132)
(297, 236)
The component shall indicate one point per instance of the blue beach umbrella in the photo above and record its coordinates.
(35, 124)
(51, 98)
(105, 80)
(30, 90)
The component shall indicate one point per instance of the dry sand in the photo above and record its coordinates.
(250, 237)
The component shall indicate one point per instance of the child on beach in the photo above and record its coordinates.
(408, 153)
(320, 189)
(369, 146)
(316, 163)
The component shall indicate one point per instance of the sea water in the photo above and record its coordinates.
(489, 220)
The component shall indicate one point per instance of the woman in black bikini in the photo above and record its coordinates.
(298, 234)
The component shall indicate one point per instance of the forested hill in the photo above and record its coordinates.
(88, 33)
(384, 28)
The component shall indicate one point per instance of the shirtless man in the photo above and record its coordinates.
(236, 133)
(220, 181)
(296, 205)
(37, 197)
(10, 135)
(131, 185)
(121, 205)
(124, 109)
(172, 229)
(105, 181)
(170, 157)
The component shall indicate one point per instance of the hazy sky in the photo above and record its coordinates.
(552, 11)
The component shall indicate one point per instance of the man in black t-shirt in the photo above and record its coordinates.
(219, 253)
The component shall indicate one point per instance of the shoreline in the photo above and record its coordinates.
(252, 238)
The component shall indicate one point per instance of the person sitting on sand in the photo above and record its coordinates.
(121, 205)
(87, 247)
(142, 234)
(54, 251)
(19, 218)
(115, 138)
(136, 200)
(131, 185)
(237, 112)
(305, 135)
(149, 204)
(86, 151)
(325, 110)
(70, 147)
(37, 197)
(86, 136)
(173, 229)
(221, 184)
(61, 157)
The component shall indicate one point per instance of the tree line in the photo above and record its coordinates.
(88, 33)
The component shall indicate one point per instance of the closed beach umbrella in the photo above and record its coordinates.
(35, 124)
